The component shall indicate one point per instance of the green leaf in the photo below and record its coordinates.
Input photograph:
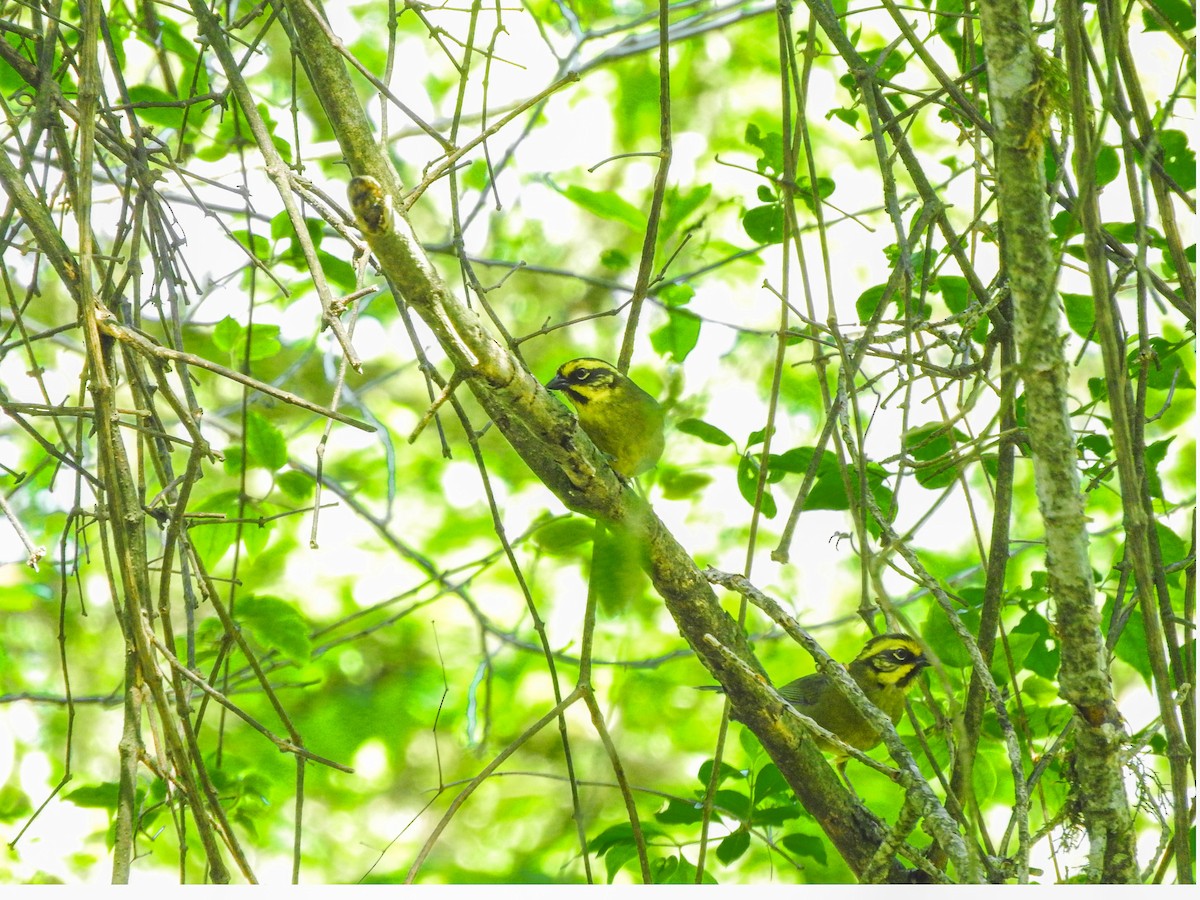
(1108, 165)
(1050, 165)
(806, 845)
(676, 870)
(606, 205)
(777, 815)
(678, 207)
(955, 291)
(1154, 455)
(476, 177)
(255, 536)
(749, 743)
(804, 191)
(930, 443)
(297, 485)
(212, 538)
(1042, 691)
(616, 858)
(916, 259)
(562, 537)
(1131, 645)
(1096, 444)
(265, 444)
(10, 81)
(764, 224)
(677, 485)
(167, 111)
(234, 460)
(1065, 224)
(96, 796)
(847, 116)
(757, 437)
(228, 334)
(828, 492)
(888, 61)
(985, 775)
(610, 837)
(747, 481)
(1042, 656)
(614, 260)
(733, 846)
(1081, 313)
(679, 812)
(232, 133)
(1163, 367)
(868, 302)
(316, 234)
(735, 803)
(1178, 159)
(1167, 370)
(797, 460)
(771, 146)
(338, 272)
(1179, 13)
(1127, 233)
(677, 294)
(768, 783)
(280, 144)
(14, 803)
(617, 846)
(1171, 546)
(704, 773)
(885, 499)
(678, 337)
(281, 225)
(710, 434)
(276, 624)
(665, 870)
(941, 636)
(264, 342)
(176, 43)
(257, 244)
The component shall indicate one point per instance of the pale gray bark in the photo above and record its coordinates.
(1019, 111)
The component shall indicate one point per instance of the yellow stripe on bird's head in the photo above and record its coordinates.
(583, 380)
(894, 659)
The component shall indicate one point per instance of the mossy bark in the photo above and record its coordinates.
(1019, 102)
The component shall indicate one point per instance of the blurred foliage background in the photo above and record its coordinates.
(383, 580)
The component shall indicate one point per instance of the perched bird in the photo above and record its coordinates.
(622, 420)
(884, 669)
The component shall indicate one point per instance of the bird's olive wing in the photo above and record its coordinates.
(804, 691)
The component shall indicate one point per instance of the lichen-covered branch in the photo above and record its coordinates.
(1018, 102)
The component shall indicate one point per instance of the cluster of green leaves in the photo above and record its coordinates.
(755, 809)
(828, 489)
